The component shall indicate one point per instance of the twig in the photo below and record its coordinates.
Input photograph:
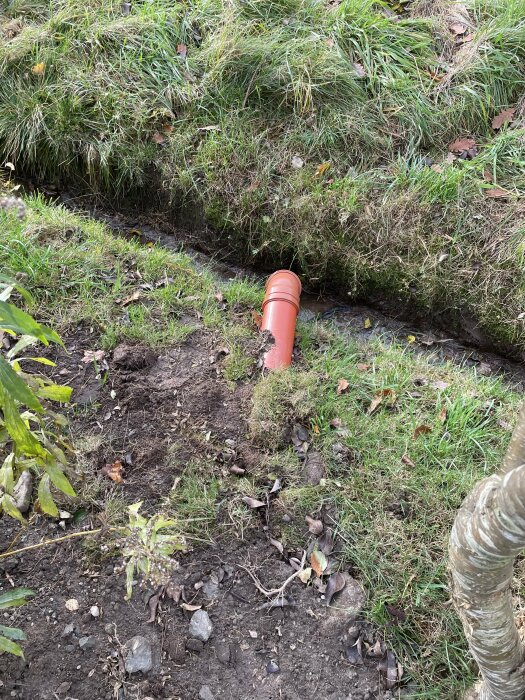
(275, 591)
(83, 533)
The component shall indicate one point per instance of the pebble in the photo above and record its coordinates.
(200, 625)
(211, 589)
(68, 629)
(72, 604)
(139, 655)
(223, 653)
(272, 667)
(194, 645)
(86, 643)
(205, 693)
(95, 611)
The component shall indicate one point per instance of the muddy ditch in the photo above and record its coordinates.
(260, 632)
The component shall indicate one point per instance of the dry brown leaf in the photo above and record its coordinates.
(406, 460)
(321, 169)
(114, 471)
(314, 526)
(457, 28)
(487, 176)
(504, 117)
(318, 561)
(378, 399)
(158, 138)
(359, 69)
(421, 430)
(257, 319)
(93, 356)
(253, 502)
(442, 415)
(335, 584)
(38, 69)
(278, 545)
(234, 469)
(189, 607)
(362, 367)
(342, 387)
(167, 128)
(460, 145)
(496, 193)
(305, 575)
(182, 50)
(133, 297)
(253, 186)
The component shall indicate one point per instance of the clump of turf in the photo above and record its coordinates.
(311, 133)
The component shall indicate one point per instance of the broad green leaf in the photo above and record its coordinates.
(8, 282)
(10, 647)
(6, 292)
(14, 596)
(45, 498)
(12, 633)
(51, 335)
(8, 504)
(55, 392)
(23, 438)
(24, 342)
(130, 569)
(20, 322)
(59, 479)
(42, 360)
(16, 388)
(6, 474)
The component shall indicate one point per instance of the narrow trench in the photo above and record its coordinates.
(358, 321)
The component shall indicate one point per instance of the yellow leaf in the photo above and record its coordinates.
(38, 69)
(411, 338)
(368, 323)
(321, 169)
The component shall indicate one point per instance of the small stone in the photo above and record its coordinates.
(211, 589)
(205, 693)
(72, 604)
(272, 667)
(194, 645)
(286, 518)
(139, 655)
(109, 628)
(94, 611)
(222, 652)
(200, 625)
(68, 629)
(86, 643)
(69, 648)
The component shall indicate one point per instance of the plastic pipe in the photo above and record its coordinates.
(280, 309)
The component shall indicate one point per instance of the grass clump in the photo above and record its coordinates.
(311, 135)
(395, 477)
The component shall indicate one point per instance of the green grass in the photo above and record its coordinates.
(236, 91)
(392, 517)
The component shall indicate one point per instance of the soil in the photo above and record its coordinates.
(155, 413)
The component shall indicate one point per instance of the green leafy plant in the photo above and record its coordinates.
(148, 546)
(10, 635)
(29, 432)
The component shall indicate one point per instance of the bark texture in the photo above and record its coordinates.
(488, 533)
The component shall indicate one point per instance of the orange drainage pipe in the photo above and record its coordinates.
(280, 309)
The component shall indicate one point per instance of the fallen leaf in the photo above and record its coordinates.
(38, 69)
(318, 561)
(276, 486)
(378, 399)
(297, 162)
(411, 339)
(439, 384)
(362, 367)
(158, 138)
(326, 542)
(321, 169)
(278, 545)
(359, 69)
(335, 584)
(72, 604)
(406, 460)
(253, 186)
(397, 613)
(133, 297)
(457, 28)
(167, 129)
(353, 655)
(342, 387)
(388, 667)
(504, 117)
(421, 430)
(253, 502)
(314, 526)
(460, 145)
(487, 176)
(219, 296)
(114, 471)
(234, 469)
(93, 356)
(182, 50)
(153, 604)
(189, 607)
(305, 575)
(367, 323)
(10, 166)
(173, 591)
(496, 193)
(211, 127)
(442, 415)
(257, 319)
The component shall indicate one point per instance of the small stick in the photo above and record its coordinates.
(275, 591)
(83, 533)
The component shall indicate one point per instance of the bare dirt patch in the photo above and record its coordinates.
(141, 407)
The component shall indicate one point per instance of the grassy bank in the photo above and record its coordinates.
(394, 476)
(315, 134)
